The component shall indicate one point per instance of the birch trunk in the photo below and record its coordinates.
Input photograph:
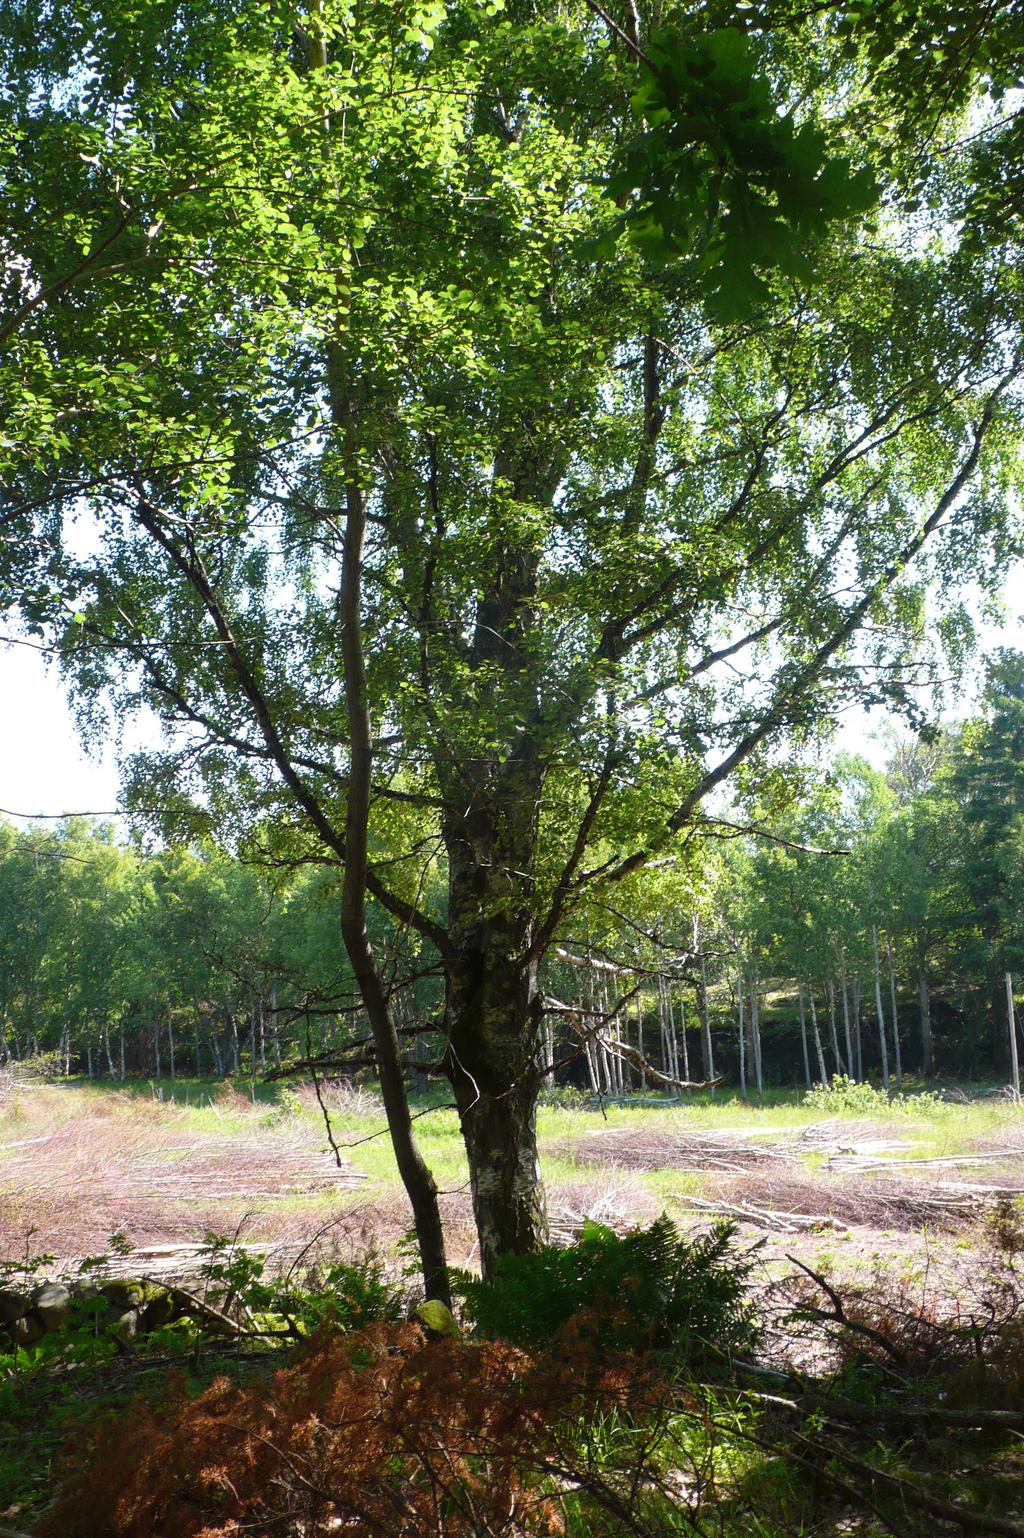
(743, 1054)
(836, 1057)
(819, 1054)
(755, 1030)
(803, 1035)
(851, 1065)
(898, 1055)
(707, 1046)
(883, 1046)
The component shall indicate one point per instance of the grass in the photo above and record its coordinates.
(61, 1147)
(71, 1138)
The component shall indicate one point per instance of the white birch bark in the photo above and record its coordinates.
(883, 1045)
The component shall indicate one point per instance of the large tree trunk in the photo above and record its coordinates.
(493, 1026)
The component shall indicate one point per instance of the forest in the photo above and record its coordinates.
(468, 460)
(867, 934)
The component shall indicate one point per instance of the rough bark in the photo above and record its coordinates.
(492, 1020)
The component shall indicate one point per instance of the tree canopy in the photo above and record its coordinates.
(481, 432)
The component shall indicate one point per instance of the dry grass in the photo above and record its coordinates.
(342, 1097)
(149, 1171)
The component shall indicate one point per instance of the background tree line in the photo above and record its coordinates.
(779, 959)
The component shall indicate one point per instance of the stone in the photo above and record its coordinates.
(159, 1310)
(436, 1319)
(125, 1326)
(13, 1305)
(27, 1330)
(123, 1293)
(53, 1305)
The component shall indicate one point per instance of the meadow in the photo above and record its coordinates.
(847, 1172)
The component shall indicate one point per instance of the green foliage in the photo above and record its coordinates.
(720, 176)
(341, 1294)
(844, 1096)
(649, 1290)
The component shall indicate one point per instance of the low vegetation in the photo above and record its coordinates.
(728, 1367)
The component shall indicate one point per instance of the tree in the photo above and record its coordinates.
(426, 527)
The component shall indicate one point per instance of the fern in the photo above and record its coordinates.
(649, 1290)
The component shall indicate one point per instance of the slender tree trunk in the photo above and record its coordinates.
(851, 1065)
(170, 1042)
(156, 1044)
(640, 1037)
(924, 995)
(593, 1061)
(803, 1034)
(416, 1177)
(236, 1060)
(1011, 1036)
(883, 1047)
(743, 1046)
(666, 1057)
(707, 1046)
(122, 1054)
(858, 1035)
(818, 1052)
(678, 1036)
(275, 1026)
(833, 1036)
(755, 1030)
(898, 1055)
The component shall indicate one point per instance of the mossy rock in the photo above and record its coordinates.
(27, 1330)
(123, 1293)
(436, 1319)
(13, 1305)
(160, 1309)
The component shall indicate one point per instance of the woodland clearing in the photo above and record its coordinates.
(163, 1166)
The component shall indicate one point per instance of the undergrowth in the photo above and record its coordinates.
(606, 1389)
(649, 1290)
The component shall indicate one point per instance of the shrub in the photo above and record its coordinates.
(380, 1433)
(846, 1097)
(344, 1293)
(649, 1290)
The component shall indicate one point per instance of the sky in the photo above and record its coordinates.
(45, 771)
